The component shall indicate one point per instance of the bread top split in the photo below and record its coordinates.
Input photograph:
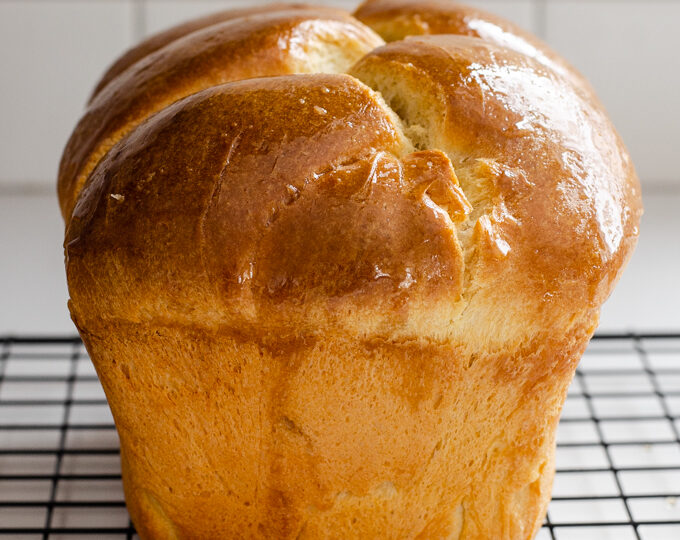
(285, 171)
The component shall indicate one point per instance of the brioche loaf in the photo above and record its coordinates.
(335, 287)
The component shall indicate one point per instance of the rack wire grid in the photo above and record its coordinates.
(618, 444)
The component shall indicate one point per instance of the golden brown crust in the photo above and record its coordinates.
(321, 219)
(397, 19)
(272, 43)
(342, 305)
(226, 435)
(161, 39)
(557, 196)
(269, 230)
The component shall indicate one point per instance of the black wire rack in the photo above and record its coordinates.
(618, 450)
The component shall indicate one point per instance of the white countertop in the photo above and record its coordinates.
(33, 291)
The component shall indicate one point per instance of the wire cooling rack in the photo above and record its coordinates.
(618, 455)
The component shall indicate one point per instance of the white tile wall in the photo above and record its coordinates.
(629, 51)
(53, 51)
(51, 54)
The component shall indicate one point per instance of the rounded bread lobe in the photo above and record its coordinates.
(273, 43)
(555, 197)
(395, 20)
(163, 38)
(280, 204)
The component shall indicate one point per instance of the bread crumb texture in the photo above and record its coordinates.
(335, 272)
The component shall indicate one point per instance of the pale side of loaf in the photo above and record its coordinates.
(337, 288)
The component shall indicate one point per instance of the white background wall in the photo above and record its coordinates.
(53, 51)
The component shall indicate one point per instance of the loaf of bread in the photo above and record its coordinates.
(336, 272)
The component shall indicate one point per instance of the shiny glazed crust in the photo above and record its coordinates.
(397, 19)
(254, 44)
(336, 288)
